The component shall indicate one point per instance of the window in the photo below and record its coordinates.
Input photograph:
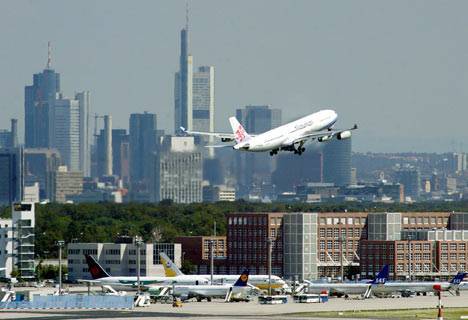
(322, 244)
(453, 256)
(426, 256)
(462, 246)
(322, 232)
(329, 232)
(322, 256)
(329, 244)
(453, 246)
(443, 247)
(427, 247)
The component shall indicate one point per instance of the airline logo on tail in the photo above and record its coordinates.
(382, 276)
(239, 132)
(243, 279)
(95, 268)
(458, 278)
(170, 269)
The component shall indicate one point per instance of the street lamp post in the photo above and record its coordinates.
(138, 242)
(60, 244)
(270, 242)
(211, 260)
(410, 263)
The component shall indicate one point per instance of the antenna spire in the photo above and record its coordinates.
(49, 55)
(186, 16)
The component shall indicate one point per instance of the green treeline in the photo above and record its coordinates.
(103, 222)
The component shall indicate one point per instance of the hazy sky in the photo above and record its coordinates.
(397, 68)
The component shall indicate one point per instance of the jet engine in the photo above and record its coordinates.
(344, 135)
(324, 138)
(226, 139)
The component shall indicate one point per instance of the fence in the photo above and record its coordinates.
(72, 302)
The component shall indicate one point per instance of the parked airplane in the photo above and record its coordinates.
(256, 280)
(406, 288)
(238, 290)
(288, 137)
(348, 288)
(102, 277)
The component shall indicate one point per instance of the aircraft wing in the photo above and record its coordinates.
(221, 135)
(328, 134)
(226, 136)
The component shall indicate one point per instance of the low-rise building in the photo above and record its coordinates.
(196, 249)
(120, 259)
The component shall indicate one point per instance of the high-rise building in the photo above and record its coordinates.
(53, 121)
(64, 183)
(143, 143)
(66, 131)
(183, 85)
(410, 178)
(120, 154)
(85, 133)
(9, 139)
(38, 107)
(39, 163)
(254, 169)
(203, 104)
(11, 175)
(177, 173)
(300, 170)
(337, 162)
(6, 247)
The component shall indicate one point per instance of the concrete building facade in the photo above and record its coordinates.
(119, 259)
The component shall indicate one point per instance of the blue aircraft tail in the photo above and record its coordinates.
(243, 279)
(382, 276)
(458, 278)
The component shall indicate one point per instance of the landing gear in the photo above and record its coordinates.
(273, 152)
(299, 150)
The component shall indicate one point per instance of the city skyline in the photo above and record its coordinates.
(401, 81)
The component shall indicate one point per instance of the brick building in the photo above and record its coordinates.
(196, 249)
(247, 238)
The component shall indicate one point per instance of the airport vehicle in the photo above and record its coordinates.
(347, 288)
(288, 137)
(238, 290)
(406, 288)
(101, 277)
(258, 280)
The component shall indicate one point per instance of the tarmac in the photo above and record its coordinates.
(218, 309)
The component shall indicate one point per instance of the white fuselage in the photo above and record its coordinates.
(286, 134)
(128, 283)
(211, 291)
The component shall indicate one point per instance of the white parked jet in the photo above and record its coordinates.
(238, 290)
(288, 137)
(257, 280)
(102, 277)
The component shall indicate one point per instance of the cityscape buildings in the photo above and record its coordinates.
(177, 171)
(11, 175)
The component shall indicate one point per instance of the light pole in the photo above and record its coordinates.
(410, 264)
(138, 242)
(270, 242)
(342, 240)
(60, 244)
(211, 260)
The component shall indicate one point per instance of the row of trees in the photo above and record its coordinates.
(103, 222)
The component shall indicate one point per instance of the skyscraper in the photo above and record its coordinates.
(11, 175)
(337, 161)
(203, 103)
(53, 121)
(9, 139)
(39, 163)
(183, 85)
(120, 155)
(38, 106)
(85, 133)
(177, 171)
(143, 143)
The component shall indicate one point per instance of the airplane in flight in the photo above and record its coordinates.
(288, 137)
(257, 280)
(238, 290)
(347, 288)
(102, 277)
